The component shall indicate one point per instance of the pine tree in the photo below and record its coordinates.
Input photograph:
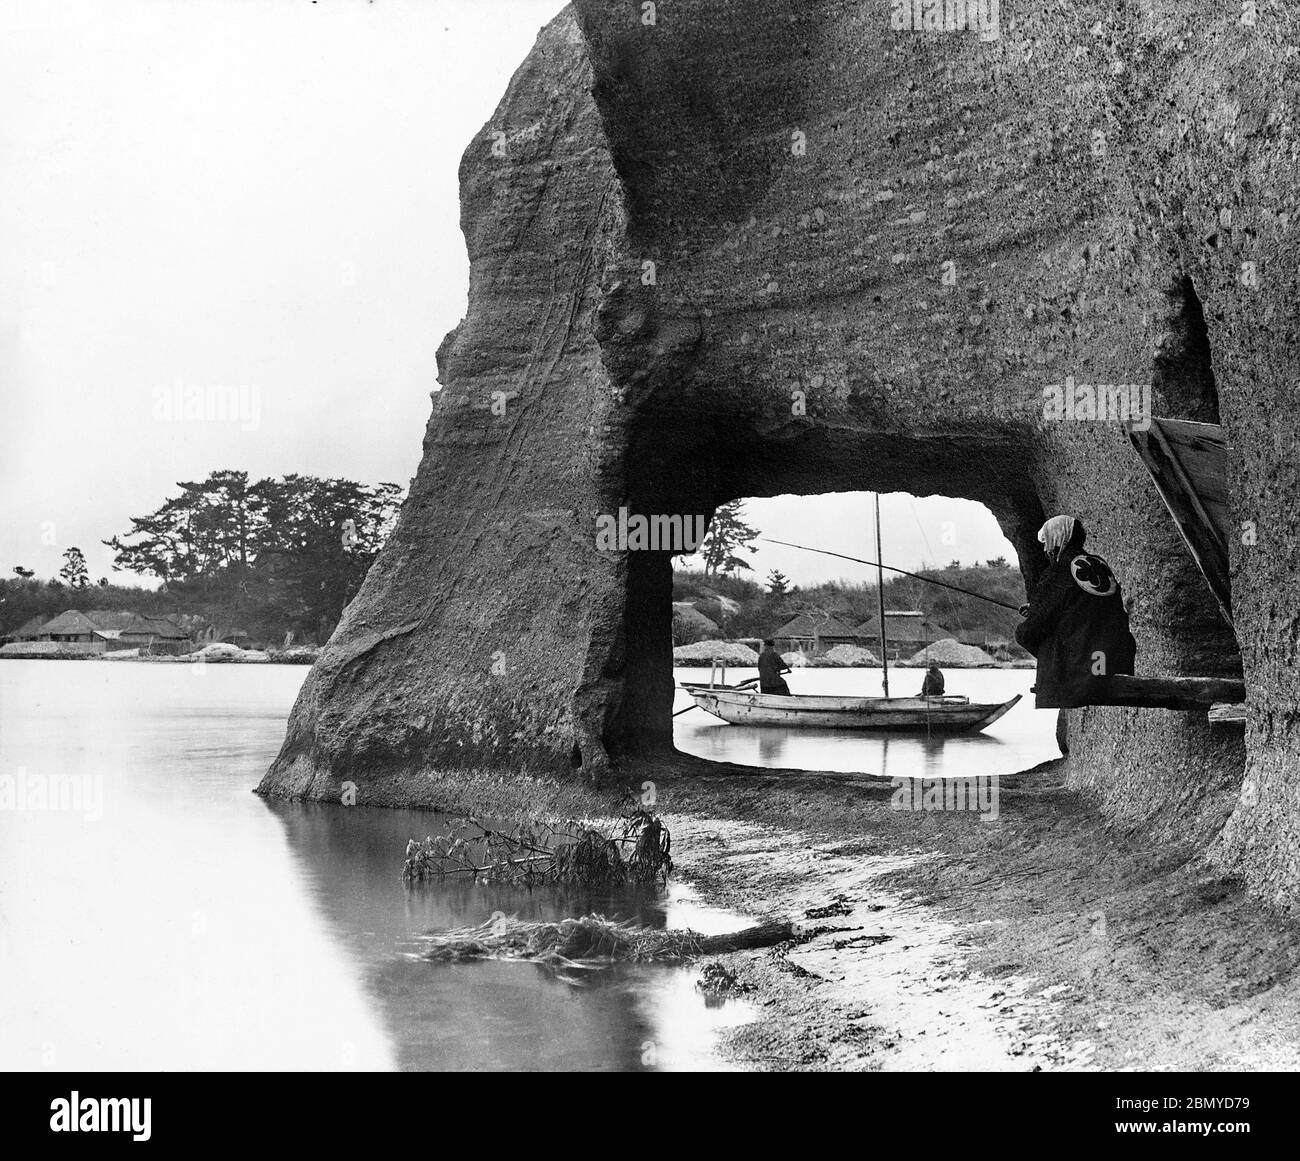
(74, 571)
(728, 534)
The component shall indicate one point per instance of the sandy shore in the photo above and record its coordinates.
(1043, 940)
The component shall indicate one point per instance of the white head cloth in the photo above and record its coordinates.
(1056, 533)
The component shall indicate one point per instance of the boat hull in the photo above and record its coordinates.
(801, 711)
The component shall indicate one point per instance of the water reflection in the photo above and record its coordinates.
(890, 756)
(1020, 739)
(173, 932)
(195, 926)
(493, 1014)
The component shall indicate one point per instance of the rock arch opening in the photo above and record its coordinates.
(823, 613)
(653, 281)
(709, 468)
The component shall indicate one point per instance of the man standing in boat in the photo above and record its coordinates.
(1075, 623)
(770, 667)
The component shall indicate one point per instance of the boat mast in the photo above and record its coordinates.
(880, 596)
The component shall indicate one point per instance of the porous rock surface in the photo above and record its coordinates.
(871, 252)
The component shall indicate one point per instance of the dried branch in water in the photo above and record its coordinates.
(574, 854)
(593, 938)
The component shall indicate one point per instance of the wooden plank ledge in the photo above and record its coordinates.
(1188, 463)
(1177, 693)
(1228, 715)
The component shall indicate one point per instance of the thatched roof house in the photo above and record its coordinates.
(810, 630)
(689, 624)
(28, 630)
(72, 625)
(111, 620)
(906, 630)
(105, 629)
(158, 634)
(72, 632)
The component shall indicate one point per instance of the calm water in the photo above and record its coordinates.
(176, 921)
(1021, 738)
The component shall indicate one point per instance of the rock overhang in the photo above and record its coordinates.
(918, 234)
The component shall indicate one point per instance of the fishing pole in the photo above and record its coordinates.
(890, 568)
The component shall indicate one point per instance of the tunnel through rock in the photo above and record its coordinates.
(719, 465)
(687, 228)
(814, 602)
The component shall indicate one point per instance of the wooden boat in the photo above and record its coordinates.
(747, 707)
(952, 714)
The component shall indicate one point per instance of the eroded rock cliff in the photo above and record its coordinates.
(761, 248)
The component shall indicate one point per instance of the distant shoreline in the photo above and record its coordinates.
(302, 659)
(162, 659)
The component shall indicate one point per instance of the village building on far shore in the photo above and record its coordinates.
(27, 630)
(812, 633)
(906, 631)
(99, 631)
(70, 632)
(153, 635)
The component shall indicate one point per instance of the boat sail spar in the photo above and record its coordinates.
(952, 714)
(880, 603)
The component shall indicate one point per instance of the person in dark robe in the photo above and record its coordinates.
(1075, 623)
(932, 686)
(770, 667)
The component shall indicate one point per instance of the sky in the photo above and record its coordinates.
(915, 532)
(253, 204)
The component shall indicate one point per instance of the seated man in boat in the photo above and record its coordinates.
(932, 686)
(770, 667)
(1075, 622)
